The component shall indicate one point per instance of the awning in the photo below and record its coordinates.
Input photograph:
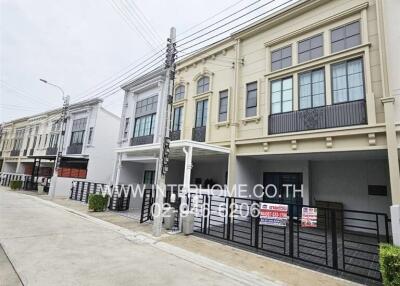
(200, 149)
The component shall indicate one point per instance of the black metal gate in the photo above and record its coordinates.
(344, 241)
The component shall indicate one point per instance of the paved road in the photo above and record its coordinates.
(48, 245)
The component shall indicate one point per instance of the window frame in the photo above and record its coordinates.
(281, 101)
(202, 86)
(180, 86)
(180, 118)
(203, 124)
(247, 99)
(219, 105)
(125, 134)
(152, 117)
(299, 90)
(281, 58)
(90, 136)
(78, 133)
(345, 38)
(309, 39)
(347, 81)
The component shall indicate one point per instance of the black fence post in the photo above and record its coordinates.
(334, 240)
(228, 218)
(257, 226)
(87, 192)
(205, 213)
(291, 231)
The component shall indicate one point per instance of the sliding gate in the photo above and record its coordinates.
(343, 241)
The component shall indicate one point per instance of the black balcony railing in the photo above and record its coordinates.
(330, 116)
(74, 149)
(15, 152)
(142, 140)
(199, 134)
(175, 135)
(51, 151)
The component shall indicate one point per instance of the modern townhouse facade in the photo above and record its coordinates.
(296, 98)
(305, 99)
(29, 146)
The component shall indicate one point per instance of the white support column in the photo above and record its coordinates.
(118, 170)
(188, 169)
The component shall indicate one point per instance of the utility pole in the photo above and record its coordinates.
(166, 100)
(60, 146)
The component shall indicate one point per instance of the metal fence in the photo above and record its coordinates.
(345, 241)
(28, 183)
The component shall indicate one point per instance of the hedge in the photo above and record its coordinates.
(98, 202)
(389, 258)
(15, 185)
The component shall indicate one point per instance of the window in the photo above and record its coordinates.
(345, 37)
(201, 113)
(144, 126)
(281, 95)
(312, 89)
(78, 130)
(45, 140)
(347, 81)
(90, 136)
(177, 123)
(203, 84)
(311, 48)
(281, 58)
(53, 140)
(179, 92)
(19, 137)
(148, 178)
(223, 106)
(251, 99)
(40, 140)
(146, 106)
(126, 128)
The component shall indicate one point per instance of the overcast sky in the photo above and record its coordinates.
(79, 44)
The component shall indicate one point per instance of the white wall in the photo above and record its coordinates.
(347, 182)
(101, 152)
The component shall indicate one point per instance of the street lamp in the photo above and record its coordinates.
(59, 146)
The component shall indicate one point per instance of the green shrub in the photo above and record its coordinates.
(389, 258)
(97, 202)
(15, 185)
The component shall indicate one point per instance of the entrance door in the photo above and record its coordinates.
(279, 180)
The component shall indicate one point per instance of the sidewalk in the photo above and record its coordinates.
(264, 267)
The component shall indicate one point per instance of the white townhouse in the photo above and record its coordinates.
(29, 146)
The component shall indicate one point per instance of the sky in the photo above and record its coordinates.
(83, 45)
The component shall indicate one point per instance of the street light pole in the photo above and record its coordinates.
(60, 146)
(166, 100)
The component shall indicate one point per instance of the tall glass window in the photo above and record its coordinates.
(251, 99)
(312, 89)
(144, 125)
(78, 131)
(282, 95)
(201, 113)
(347, 81)
(178, 116)
(223, 106)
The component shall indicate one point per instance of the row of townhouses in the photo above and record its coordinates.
(29, 146)
(307, 96)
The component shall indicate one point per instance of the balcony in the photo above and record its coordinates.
(51, 150)
(330, 116)
(142, 140)
(74, 149)
(175, 135)
(15, 152)
(199, 134)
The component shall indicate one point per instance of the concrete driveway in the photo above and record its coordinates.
(48, 245)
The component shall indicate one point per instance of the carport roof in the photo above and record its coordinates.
(151, 150)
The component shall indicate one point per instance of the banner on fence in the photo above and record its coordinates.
(273, 214)
(309, 217)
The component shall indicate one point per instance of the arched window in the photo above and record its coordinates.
(179, 92)
(203, 84)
